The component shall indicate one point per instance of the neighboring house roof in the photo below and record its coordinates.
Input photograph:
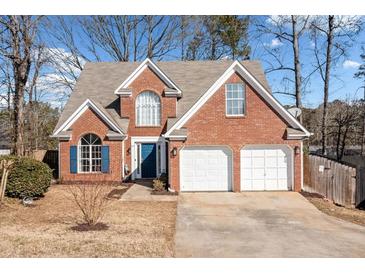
(99, 81)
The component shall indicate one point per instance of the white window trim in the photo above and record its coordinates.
(79, 168)
(158, 140)
(159, 110)
(231, 99)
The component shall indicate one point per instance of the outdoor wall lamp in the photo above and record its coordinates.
(129, 151)
(174, 151)
(296, 150)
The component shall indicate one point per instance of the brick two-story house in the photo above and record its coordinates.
(210, 125)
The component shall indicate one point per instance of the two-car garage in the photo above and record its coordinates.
(210, 168)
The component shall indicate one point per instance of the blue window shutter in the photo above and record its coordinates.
(73, 159)
(105, 159)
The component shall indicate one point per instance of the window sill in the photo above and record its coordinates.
(147, 126)
(94, 173)
(235, 116)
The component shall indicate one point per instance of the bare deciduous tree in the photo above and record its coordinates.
(17, 43)
(360, 74)
(334, 34)
(92, 200)
(286, 29)
(343, 120)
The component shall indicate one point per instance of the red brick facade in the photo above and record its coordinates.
(147, 81)
(208, 126)
(89, 122)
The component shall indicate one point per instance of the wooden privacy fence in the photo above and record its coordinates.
(50, 157)
(339, 182)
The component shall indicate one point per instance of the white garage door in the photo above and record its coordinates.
(266, 168)
(205, 169)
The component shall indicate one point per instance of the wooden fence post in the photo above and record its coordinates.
(5, 166)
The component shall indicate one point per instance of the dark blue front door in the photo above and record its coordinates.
(148, 160)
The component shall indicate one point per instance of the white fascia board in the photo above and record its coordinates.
(81, 109)
(61, 137)
(237, 67)
(145, 64)
(177, 137)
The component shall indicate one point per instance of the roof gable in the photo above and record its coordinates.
(237, 67)
(81, 109)
(144, 65)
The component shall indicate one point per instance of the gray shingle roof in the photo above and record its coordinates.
(98, 81)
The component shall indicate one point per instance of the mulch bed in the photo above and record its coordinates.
(118, 192)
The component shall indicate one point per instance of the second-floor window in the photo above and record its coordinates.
(148, 109)
(235, 99)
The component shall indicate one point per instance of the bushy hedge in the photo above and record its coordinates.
(27, 178)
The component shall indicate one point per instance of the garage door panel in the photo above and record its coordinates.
(246, 162)
(258, 185)
(258, 173)
(271, 173)
(258, 153)
(247, 173)
(282, 173)
(210, 169)
(271, 153)
(271, 184)
(258, 162)
(265, 168)
(271, 162)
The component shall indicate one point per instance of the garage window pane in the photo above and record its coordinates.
(235, 99)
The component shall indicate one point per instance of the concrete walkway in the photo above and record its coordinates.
(261, 224)
(141, 192)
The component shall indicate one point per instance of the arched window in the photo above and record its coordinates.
(148, 109)
(90, 153)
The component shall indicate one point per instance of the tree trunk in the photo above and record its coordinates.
(363, 126)
(183, 35)
(326, 82)
(343, 144)
(297, 66)
(135, 31)
(18, 121)
(338, 142)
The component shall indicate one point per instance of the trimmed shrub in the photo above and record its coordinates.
(28, 178)
(158, 185)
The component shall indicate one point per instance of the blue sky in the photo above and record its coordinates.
(342, 85)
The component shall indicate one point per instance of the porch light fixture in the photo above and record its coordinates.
(174, 151)
(296, 150)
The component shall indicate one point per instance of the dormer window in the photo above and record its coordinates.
(235, 99)
(148, 109)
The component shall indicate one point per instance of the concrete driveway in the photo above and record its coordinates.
(261, 224)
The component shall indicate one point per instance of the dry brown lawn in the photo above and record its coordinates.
(356, 216)
(135, 229)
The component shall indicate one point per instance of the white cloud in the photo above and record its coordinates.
(274, 43)
(349, 64)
